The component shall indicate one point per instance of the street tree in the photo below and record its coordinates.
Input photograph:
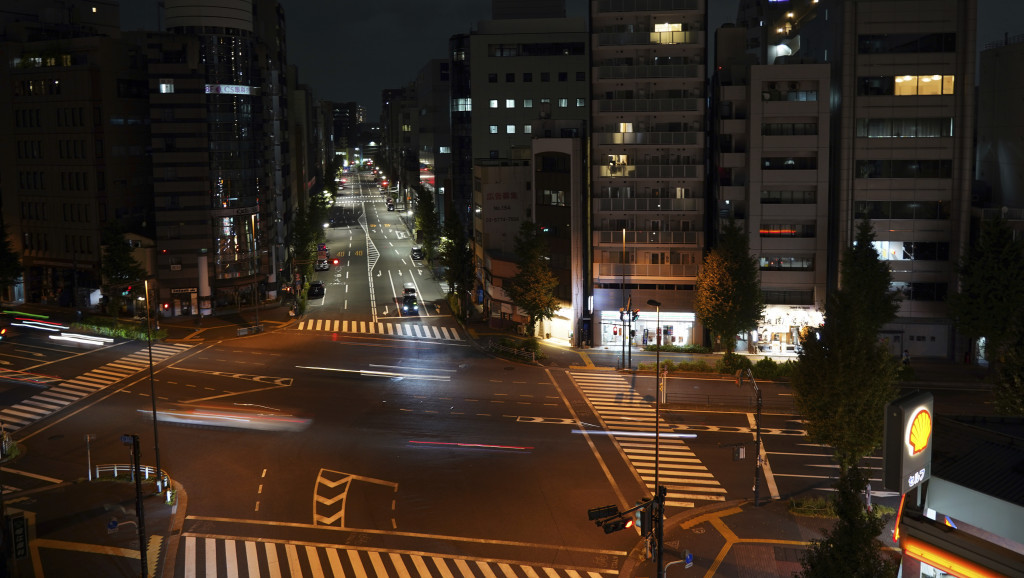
(850, 548)
(10, 263)
(845, 375)
(122, 273)
(1009, 386)
(728, 300)
(990, 302)
(457, 260)
(532, 289)
(426, 222)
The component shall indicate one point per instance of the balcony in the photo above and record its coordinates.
(651, 171)
(659, 205)
(681, 71)
(614, 238)
(649, 138)
(634, 270)
(649, 105)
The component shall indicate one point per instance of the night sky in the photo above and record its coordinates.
(349, 50)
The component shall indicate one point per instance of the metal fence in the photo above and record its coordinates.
(524, 354)
(115, 470)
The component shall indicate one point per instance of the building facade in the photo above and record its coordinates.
(647, 165)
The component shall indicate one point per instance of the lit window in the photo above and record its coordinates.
(528, 129)
(581, 102)
(166, 85)
(510, 129)
(444, 150)
(563, 102)
(494, 103)
(510, 103)
(494, 129)
(462, 105)
(527, 103)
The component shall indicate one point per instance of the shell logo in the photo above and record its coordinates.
(919, 432)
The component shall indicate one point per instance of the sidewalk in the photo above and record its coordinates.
(734, 540)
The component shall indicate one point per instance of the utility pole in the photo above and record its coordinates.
(140, 510)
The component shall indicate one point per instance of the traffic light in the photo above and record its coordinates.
(126, 291)
(335, 262)
(616, 524)
(636, 314)
(645, 518)
(622, 313)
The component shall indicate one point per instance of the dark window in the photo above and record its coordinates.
(527, 77)
(510, 77)
(789, 163)
(492, 77)
(563, 76)
(545, 77)
(906, 43)
(581, 76)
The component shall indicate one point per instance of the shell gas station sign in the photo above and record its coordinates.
(907, 447)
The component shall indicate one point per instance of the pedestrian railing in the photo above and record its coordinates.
(717, 401)
(118, 470)
(524, 354)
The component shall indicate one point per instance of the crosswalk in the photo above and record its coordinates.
(212, 557)
(55, 398)
(630, 419)
(381, 328)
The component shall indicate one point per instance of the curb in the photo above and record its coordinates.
(634, 560)
(174, 529)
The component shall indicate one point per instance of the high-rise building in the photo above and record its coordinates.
(647, 161)
(217, 164)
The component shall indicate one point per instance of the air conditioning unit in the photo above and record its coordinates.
(175, 267)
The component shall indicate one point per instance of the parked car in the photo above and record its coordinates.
(322, 265)
(417, 252)
(316, 290)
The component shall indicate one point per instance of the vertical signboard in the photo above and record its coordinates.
(907, 446)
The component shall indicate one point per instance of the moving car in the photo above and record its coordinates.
(410, 305)
(316, 290)
(417, 252)
(322, 265)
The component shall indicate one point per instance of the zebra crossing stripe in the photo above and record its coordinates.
(679, 470)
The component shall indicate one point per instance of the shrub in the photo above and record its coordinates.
(815, 507)
(689, 348)
(771, 370)
(732, 362)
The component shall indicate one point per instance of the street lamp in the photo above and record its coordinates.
(622, 307)
(152, 391)
(757, 423)
(659, 495)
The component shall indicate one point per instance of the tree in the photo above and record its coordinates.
(120, 269)
(1009, 387)
(10, 263)
(845, 375)
(850, 548)
(457, 259)
(426, 221)
(533, 287)
(990, 302)
(728, 299)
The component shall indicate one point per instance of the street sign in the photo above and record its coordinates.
(19, 532)
(112, 526)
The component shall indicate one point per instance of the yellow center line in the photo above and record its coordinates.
(88, 548)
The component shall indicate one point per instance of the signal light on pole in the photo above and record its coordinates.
(616, 524)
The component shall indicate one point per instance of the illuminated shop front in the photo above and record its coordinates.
(677, 328)
(782, 327)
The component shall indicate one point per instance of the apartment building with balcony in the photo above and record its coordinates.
(647, 165)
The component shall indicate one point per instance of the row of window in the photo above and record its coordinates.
(922, 291)
(31, 180)
(528, 102)
(537, 49)
(30, 149)
(777, 263)
(789, 197)
(789, 128)
(912, 251)
(552, 198)
(33, 211)
(905, 85)
(511, 129)
(37, 87)
(906, 43)
(904, 169)
(905, 127)
(789, 163)
(777, 231)
(934, 210)
(492, 77)
(78, 244)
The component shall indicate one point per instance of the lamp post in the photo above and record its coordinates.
(622, 307)
(658, 493)
(757, 423)
(152, 391)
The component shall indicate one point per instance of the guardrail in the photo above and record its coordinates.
(718, 401)
(115, 470)
(524, 354)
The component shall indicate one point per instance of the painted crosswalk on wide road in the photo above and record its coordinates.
(381, 328)
(64, 393)
(212, 557)
(630, 416)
